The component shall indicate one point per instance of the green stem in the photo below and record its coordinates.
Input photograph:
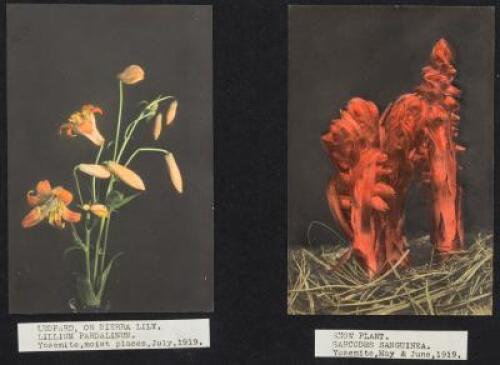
(103, 284)
(85, 246)
(98, 157)
(75, 232)
(110, 186)
(118, 123)
(117, 136)
(99, 261)
(129, 132)
(97, 248)
(87, 254)
(105, 245)
(145, 149)
(77, 184)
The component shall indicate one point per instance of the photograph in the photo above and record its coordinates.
(249, 182)
(390, 160)
(110, 158)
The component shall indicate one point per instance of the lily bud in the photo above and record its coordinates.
(157, 126)
(99, 210)
(132, 75)
(126, 175)
(171, 111)
(98, 171)
(175, 174)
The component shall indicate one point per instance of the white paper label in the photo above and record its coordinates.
(381, 344)
(113, 335)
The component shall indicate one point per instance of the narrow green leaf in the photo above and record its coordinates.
(105, 273)
(77, 241)
(86, 293)
(71, 249)
(124, 201)
(114, 197)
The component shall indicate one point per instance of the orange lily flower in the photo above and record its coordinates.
(83, 123)
(50, 204)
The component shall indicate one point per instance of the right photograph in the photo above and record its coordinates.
(390, 160)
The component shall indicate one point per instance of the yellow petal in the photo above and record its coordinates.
(99, 210)
(126, 175)
(172, 110)
(132, 75)
(175, 174)
(98, 171)
(157, 127)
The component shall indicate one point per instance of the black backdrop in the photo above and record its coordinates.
(249, 324)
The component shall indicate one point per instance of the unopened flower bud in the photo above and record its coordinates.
(157, 126)
(171, 111)
(175, 174)
(98, 171)
(132, 75)
(126, 175)
(99, 210)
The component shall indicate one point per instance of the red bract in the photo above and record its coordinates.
(378, 157)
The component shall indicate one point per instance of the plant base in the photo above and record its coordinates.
(460, 285)
(86, 300)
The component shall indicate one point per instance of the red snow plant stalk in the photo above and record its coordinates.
(377, 157)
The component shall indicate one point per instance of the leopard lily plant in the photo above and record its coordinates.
(90, 220)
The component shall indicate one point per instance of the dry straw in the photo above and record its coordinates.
(461, 285)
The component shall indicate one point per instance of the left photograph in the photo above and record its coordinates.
(110, 158)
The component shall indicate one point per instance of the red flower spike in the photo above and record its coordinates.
(377, 157)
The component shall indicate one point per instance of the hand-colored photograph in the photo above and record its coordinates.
(110, 181)
(390, 160)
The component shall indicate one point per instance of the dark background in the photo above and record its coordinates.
(249, 324)
(377, 53)
(61, 57)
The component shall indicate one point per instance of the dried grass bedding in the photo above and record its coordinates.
(461, 285)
